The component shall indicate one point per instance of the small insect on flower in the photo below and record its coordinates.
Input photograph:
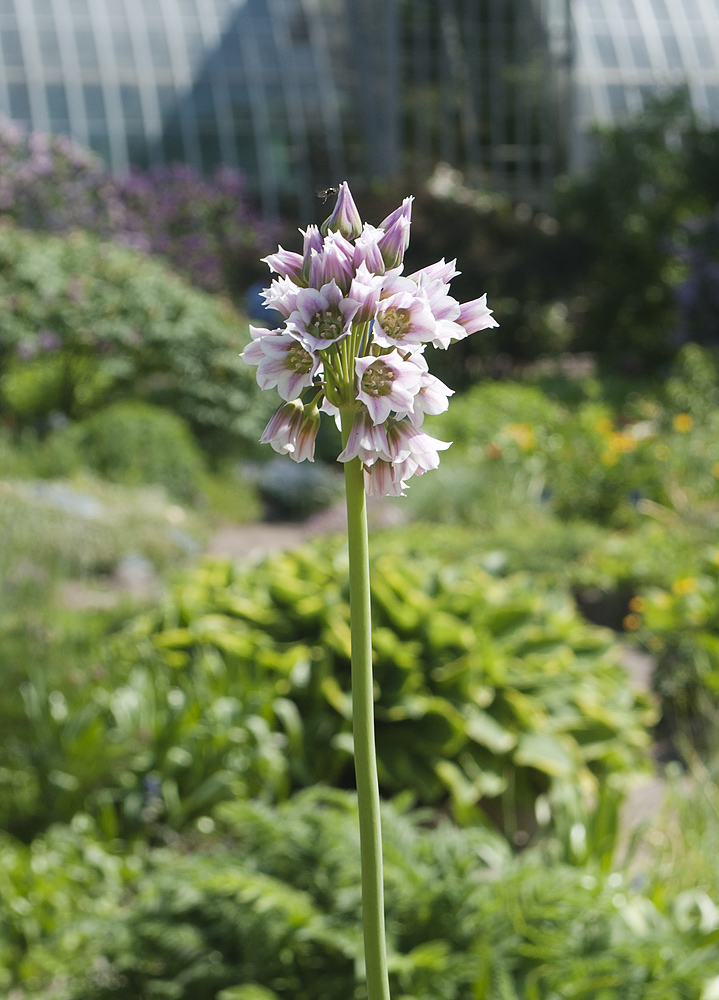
(353, 343)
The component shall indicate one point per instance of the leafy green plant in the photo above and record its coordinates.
(84, 323)
(262, 903)
(490, 694)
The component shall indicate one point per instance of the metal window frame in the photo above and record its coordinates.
(34, 70)
(110, 85)
(171, 19)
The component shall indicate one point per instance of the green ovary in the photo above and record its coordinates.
(327, 325)
(378, 379)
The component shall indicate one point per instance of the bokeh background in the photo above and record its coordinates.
(176, 783)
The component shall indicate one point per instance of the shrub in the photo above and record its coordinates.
(84, 323)
(627, 210)
(138, 444)
(697, 296)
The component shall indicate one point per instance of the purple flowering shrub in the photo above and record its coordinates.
(205, 228)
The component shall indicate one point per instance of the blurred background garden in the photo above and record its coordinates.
(176, 772)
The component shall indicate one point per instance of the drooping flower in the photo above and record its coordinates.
(367, 440)
(283, 427)
(355, 332)
(292, 430)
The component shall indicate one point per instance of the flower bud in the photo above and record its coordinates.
(345, 217)
(394, 243)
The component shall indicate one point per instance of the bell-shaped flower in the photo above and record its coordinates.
(404, 320)
(286, 263)
(364, 293)
(253, 353)
(283, 426)
(381, 480)
(475, 315)
(412, 449)
(332, 263)
(387, 383)
(366, 250)
(292, 430)
(304, 443)
(367, 440)
(281, 296)
(441, 271)
(345, 218)
(432, 397)
(286, 364)
(322, 317)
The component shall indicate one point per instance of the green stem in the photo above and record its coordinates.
(363, 726)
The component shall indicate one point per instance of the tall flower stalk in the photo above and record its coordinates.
(352, 346)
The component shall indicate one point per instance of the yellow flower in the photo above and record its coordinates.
(632, 622)
(622, 443)
(637, 604)
(683, 422)
(687, 585)
(522, 434)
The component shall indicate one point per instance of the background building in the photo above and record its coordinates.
(302, 93)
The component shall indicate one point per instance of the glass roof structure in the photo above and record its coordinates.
(629, 50)
(297, 93)
(302, 93)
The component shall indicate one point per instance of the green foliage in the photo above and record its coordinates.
(589, 460)
(490, 693)
(520, 257)
(84, 323)
(137, 444)
(645, 178)
(271, 909)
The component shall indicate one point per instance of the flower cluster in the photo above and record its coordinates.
(354, 338)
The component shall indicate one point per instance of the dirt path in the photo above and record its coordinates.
(243, 541)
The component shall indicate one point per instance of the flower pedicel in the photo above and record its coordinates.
(354, 339)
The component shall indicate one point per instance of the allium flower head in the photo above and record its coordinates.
(353, 341)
